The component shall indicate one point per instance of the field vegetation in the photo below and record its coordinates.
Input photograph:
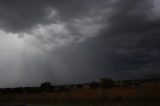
(143, 93)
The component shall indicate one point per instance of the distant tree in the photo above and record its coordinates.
(106, 83)
(62, 88)
(137, 83)
(17, 90)
(79, 86)
(32, 89)
(46, 86)
(7, 90)
(127, 83)
(94, 85)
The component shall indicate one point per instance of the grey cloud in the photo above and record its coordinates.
(114, 38)
(23, 15)
(132, 36)
(78, 17)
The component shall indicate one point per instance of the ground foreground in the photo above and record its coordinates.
(91, 104)
(144, 95)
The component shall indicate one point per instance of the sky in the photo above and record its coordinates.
(77, 41)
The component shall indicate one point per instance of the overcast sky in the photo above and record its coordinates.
(73, 41)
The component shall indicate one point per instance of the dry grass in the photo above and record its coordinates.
(146, 92)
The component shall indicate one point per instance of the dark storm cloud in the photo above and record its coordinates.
(73, 38)
(21, 15)
(132, 34)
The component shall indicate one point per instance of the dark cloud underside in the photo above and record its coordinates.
(79, 41)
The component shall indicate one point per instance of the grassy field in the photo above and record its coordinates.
(91, 104)
(116, 96)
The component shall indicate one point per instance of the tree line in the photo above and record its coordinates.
(104, 83)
